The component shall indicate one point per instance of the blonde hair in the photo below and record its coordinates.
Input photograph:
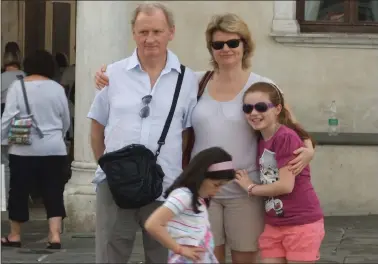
(150, 7)
(230, 23)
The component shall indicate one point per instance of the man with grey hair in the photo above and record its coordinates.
(151, 72)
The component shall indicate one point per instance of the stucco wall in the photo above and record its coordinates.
(346, 179)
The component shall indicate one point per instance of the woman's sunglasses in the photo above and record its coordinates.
(259, 107)
(232, 44)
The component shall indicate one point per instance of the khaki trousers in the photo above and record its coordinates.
(116, 230)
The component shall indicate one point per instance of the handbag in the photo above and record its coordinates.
(20, 127)
(133, 175)
(187, 151)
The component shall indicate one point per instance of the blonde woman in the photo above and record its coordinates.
(218, 120)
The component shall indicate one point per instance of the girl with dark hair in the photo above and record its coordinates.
(182, 224)
(294, 226)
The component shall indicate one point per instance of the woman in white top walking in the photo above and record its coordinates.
(45, 160)
(182, 224)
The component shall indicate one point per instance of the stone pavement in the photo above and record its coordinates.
(352, 239)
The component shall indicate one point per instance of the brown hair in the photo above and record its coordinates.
(230, 23)
(277, 98)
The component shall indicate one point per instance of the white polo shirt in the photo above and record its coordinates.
(117, 107)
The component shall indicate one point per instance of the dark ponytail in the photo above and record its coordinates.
(285, 118)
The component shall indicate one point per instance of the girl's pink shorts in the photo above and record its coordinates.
(295, 243)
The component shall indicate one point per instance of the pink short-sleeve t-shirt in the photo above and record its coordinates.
(302, 205)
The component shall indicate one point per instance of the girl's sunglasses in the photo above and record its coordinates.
(259, 107)
(232, 44)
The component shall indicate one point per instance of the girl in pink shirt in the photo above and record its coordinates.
(294, 226)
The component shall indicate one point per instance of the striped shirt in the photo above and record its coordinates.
(186, 227)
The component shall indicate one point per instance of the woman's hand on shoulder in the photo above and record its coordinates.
(303, 158)
(101, 80)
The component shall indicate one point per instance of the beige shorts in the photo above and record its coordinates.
(237, 222)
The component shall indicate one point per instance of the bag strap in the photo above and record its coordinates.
(25, 95)
(167, 124)
(202, 85)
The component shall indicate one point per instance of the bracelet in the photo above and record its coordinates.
(178, 250)
(250, 187)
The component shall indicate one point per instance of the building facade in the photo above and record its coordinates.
(315, 51)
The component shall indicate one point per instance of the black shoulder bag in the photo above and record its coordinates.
(133, 175)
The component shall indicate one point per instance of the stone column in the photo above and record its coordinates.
(101, 37)
(284, 20)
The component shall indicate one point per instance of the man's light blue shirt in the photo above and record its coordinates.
(117, 108)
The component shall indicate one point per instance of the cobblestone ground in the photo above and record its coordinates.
(351, 239)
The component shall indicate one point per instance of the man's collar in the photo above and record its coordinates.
(172, 62)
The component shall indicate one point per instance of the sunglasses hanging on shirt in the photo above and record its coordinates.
(145, 111)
